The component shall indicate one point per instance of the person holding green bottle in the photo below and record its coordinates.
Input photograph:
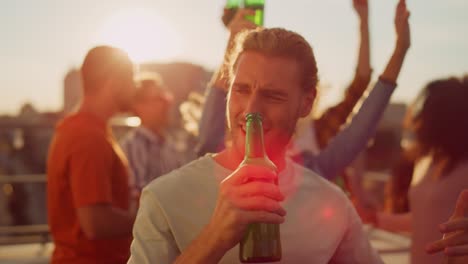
(324, 147)
(201, 212)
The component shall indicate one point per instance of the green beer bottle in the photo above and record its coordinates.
(233, 4)
(259, 7)
(261, 242)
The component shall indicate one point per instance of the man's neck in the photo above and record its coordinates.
(230, 159)
(98, 108)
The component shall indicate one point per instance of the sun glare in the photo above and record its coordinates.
(143, 34)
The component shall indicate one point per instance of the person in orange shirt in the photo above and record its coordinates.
(88, 195)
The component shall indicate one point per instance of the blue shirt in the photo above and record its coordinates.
(151, 156)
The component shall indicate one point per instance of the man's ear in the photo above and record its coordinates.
(307, 101)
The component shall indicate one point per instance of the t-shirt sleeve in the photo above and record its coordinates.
(153, 241)
(355, 247)
(91, 167)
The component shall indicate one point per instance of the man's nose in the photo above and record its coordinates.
(254, 104)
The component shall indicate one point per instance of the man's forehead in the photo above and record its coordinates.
(259, 58)
(253, 66)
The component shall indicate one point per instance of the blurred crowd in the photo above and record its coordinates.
(170, 190)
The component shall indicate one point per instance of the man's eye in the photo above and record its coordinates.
(276, 98)
(241, 90)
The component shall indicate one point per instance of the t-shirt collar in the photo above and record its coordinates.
(146, 132)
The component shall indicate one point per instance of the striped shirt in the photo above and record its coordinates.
(150, 156)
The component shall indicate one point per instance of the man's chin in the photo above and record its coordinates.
(275, 149)
(125, 109)
(237, 149)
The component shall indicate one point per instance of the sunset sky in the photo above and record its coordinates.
(42, 40)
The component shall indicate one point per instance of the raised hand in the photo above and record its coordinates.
(240, 23)
(362, 9)
(402, 26)
(247, 196)
(403, 43)
(455, 239)
(235, 25)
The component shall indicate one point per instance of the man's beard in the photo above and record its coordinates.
(124, 105)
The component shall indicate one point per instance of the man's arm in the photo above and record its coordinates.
(352, 140)
(329, 124)
(239, 204)
(403, 43)
(213, 121)
(102, 221)
(362, 9)
(202, 250)
(354, 246)
(91, 170)
(153, 241)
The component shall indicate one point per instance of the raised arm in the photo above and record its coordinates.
(239, 204)
(211, 128)
(353, 139)
(328, 125)
(362, 10)
(403, 43)
(213, 119)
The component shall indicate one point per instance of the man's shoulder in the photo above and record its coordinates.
(76, 126)
(75, 135)
(314, 182)
(189, 177)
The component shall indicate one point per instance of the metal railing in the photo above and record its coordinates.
(10, 235)
(21, 234)
(24, 178)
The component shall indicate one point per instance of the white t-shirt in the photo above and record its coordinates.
(321, 224)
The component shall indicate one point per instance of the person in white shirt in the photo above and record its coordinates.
(199, 213)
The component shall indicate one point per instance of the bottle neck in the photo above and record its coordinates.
(254, 145)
